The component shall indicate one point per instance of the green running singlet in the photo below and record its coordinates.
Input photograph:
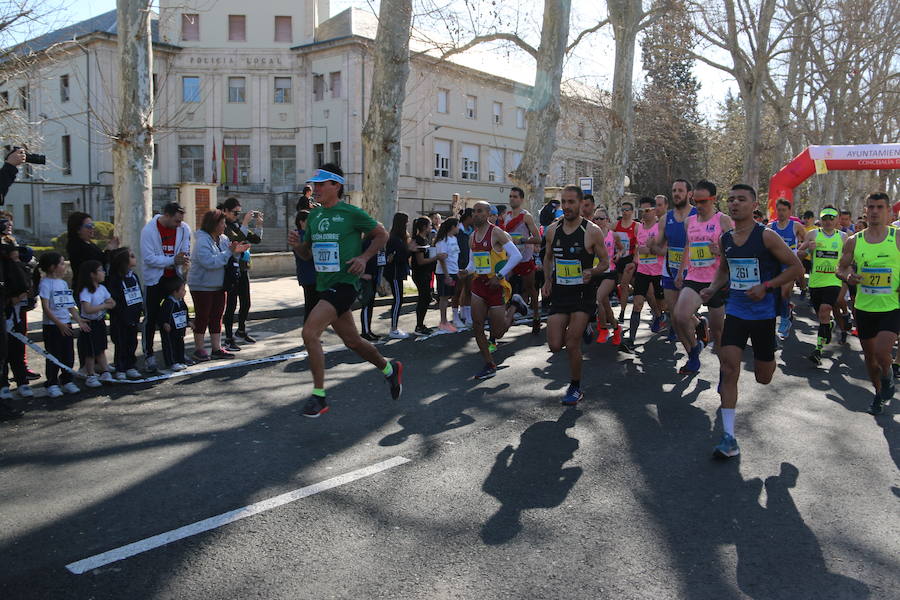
(879, 266)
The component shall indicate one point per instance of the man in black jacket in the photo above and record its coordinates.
(12, 279)
(237, 277)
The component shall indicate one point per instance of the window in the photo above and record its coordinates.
(26, 214)
(284, 30)
(318, 87)
(282, 90)
(470, 159)
(442, 158)
(190, 89)
(336, 153)
(63, 88)
(335, 82)
(190, 163)
(443, 98)
(237, 28)
(284, 165)
(66, 209)
(66, 145)
(496, 171)
(471, 107)
(243, 163)
(190, 27)
(520, 118)
(319, 155)
(498, 113)
(23, 98)
(237, 89)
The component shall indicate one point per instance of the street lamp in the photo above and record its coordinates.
(436, 127)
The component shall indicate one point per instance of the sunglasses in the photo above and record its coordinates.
(88, 225)
(600, 218)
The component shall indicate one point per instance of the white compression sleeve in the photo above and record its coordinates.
(513, 257)
(470, 268)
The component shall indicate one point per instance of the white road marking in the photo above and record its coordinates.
(129, 550)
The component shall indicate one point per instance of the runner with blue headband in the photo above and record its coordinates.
(334, 242)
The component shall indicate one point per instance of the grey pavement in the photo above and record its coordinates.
(506, 495)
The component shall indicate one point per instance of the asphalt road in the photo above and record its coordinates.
(506, 495)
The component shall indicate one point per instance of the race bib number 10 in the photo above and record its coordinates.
(482, 260)
(701, 255)
(327, 257)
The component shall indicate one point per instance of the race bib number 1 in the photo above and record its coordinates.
(876, 280)
(744, 273)
(482, 260)
(327, 257)
(568, 272)
(701, 255)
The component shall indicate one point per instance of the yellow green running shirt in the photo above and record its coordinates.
(825, 258)
(336, 235)
(879, 267)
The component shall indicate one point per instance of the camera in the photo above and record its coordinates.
(35, 159)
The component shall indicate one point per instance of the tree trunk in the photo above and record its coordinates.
(543, 113)
(133, 140)
(381, 134)
(625, 17)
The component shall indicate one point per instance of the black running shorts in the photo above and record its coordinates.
(341, 296)
(761, 334)
(717, 300)
(868, 324)
(641, 284)
(824, 295)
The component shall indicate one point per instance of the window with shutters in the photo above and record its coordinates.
(443, 101)
(470, 160)
(442, 158)
(284, 30)
(190, 27)
(498, 113)
(237, 28)
(471, 107)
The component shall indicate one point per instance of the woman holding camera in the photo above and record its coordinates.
(237, 277)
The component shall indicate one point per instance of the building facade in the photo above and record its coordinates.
(255, 102)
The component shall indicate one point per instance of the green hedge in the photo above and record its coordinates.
(103, 232)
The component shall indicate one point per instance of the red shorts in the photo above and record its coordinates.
(524, 268)
(493, 296)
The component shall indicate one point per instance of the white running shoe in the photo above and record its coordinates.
(121, 376)
(106, 376)
(398, 334)
(71, 388)
(5, 394)
(178, 367)
(54, 391)
(25, 391)
(520, 304)
(133, 374)
(92, 381)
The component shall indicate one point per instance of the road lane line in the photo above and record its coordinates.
(129, 550)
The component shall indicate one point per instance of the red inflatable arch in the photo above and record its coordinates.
(821, 159)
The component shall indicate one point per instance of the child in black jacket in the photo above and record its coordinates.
(173, 323)
(125, 319)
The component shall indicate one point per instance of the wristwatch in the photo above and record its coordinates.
(767, 284)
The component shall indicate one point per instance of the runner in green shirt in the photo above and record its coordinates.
(334, 243)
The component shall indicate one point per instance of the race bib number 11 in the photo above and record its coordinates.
(568, 272)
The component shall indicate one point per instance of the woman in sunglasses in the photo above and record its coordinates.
(80, 246)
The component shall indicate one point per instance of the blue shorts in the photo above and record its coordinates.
(668, 283)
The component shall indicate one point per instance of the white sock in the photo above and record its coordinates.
(728, 420)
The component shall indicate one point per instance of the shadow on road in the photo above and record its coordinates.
(531, 476)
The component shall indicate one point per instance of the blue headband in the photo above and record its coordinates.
(322, 175)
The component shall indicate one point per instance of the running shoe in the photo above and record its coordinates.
(31, 375)
(887, 388)
(106, 376)
(492, 345)
(520, 304)
(398, 334)
(5, 394)
(133, 374)
(315, 407)
(121, 376)
(369, 336)
(573, 396)
(25, 391)
(896, 368)
(230, 345)
(654, 324)
(448, 327)
(71, 388)
(602, 335)
(816, 357)
(200, 356)
(727, 447)
(178, 367)
(54, 391)
(624, 348)
(245, 336)
(617, 336)
(486, 373)
(877, 406)
(423, 330)
(150, 364)
(395, 380)
(702, 330)
(221, 354)
(693, 363)
(92, 382)
(784, 328)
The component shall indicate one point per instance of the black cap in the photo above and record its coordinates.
(171, 208)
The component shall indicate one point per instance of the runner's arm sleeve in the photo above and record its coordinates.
(470, 268)
(514, 257)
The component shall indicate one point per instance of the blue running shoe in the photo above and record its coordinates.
(486, 373)
(693, 363)
(654, 325)
(727, 447)
(573, 396)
